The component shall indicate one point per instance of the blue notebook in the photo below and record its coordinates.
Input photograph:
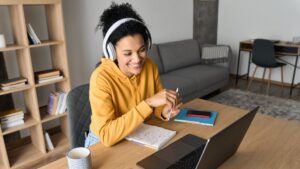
(181, 117)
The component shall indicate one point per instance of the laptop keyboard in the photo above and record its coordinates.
(190, 161)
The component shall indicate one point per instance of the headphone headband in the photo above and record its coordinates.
(114, 26)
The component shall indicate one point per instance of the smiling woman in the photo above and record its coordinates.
(126, 89)
(131, 54)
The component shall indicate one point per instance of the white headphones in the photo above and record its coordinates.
(108, 47)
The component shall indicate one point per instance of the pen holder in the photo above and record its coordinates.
(2, 41)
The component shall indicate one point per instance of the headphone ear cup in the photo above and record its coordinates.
(111, 51)
(149, 44)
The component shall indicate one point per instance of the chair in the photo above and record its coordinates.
(79, 110)
(263, 55)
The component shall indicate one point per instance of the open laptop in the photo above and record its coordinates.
(192, 152)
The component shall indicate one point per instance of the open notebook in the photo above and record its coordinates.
(151, 136)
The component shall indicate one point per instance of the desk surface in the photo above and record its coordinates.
(269, 143)
(281, 47)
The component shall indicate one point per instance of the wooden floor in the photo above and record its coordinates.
(256, 87)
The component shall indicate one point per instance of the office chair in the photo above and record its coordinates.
(263, 55)
(79, 111)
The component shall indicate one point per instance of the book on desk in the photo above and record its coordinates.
(151, 136)
(182, 117)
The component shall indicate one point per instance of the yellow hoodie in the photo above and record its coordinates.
(118, 102)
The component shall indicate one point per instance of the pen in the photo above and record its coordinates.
(177, 90)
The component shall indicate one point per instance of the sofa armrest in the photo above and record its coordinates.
(216, 54)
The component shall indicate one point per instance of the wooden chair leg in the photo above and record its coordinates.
(269, 81)
(251, 79)
(263, 77)
(281, 80)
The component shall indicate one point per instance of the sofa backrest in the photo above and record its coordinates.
(175, 55)
(153, 53)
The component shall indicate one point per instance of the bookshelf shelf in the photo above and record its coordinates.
(59, 141)
(29, 59)
(23, 155)
(51, 82)
(28, 122)
(45, 117)
(11, 47)
(26, 87)
(46, 43)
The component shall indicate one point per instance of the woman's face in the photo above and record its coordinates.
(131, 54)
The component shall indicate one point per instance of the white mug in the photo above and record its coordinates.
(2, 41)
(79, 158)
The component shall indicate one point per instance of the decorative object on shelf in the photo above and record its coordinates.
(13, 83)
(2, 41)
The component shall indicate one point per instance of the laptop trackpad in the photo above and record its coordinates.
(174, 152)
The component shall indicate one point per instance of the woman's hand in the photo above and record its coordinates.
(170, 99)
(169, 113)
(164, 97)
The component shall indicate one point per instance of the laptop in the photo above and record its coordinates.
(193, 152)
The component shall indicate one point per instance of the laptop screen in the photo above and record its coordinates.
(224, 144)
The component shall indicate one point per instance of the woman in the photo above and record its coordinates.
(126, 89)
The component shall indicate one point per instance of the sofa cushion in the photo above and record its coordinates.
(186, 85)
(179, 54)
(153, 53)
(202, 75)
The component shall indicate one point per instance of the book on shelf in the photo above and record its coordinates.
(50, 79)
(11, 112)
(32, 34)
(11, 124)
(49, 143)
(47, 73)
(13, 81)
(151, 136)
(57, 103)
(11, 118)
(183, 117)
(15, 86)
(30, 39)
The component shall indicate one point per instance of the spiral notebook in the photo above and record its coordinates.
(151, 136)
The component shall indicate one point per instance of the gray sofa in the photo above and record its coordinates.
(180, 65)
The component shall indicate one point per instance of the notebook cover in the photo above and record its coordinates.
(181, 117)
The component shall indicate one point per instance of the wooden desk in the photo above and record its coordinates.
(281, 49)
(269, 142)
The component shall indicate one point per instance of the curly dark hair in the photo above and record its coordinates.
(116, 12)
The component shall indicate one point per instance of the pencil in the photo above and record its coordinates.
(177, 90)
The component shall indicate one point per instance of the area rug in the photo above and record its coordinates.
(270, 105)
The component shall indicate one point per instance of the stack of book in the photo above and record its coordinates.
(32, 37)
(187, 115)
(13, 83)
(57, 103)
(11, 118)
(47, 75)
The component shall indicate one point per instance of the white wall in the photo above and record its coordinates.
(167, 20)
(248, 19)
